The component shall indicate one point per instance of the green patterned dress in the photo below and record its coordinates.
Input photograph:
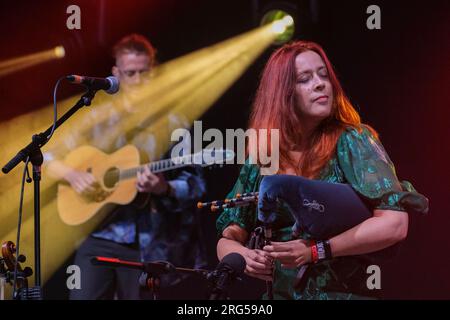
(361, 161)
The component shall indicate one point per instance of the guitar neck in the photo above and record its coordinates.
(157, 166)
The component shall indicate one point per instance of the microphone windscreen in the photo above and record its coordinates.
(235, 261)
(114, 85)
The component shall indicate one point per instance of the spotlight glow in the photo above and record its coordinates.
(282, 25)
(288, 20)
(59, 52)
(278, 27)
(19, 63)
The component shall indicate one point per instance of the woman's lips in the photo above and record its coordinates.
(321, 99)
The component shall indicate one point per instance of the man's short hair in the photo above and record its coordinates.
(135, 43)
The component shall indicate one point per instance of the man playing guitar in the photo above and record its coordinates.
(166, 228)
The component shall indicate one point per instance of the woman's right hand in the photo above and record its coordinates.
(259, 264)
(81, 182)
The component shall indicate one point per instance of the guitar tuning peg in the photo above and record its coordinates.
(27, 271)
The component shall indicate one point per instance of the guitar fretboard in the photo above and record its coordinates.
(157, 166)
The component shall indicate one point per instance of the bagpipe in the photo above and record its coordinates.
(321, 209)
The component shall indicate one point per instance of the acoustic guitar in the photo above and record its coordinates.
(116, 174)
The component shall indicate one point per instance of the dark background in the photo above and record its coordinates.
(397, 77)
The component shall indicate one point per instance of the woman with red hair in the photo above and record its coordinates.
(321, 137)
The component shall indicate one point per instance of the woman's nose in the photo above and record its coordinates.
(319, 84)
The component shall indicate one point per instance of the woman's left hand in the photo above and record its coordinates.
(291, 254)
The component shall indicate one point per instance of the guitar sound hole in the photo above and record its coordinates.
(111, 177)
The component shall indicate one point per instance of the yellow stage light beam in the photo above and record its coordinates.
(16, 64)
(177, 93)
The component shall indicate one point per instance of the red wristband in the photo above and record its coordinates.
(314, 253)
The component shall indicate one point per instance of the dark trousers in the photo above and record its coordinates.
(101, 282)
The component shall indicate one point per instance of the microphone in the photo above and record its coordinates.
(109, 84)
(231, 267)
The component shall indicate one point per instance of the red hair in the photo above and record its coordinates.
(274, 107)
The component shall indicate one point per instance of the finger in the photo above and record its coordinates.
(150, 175)
(300, 261)
(261, 252)
(86, 187)
(261, 257)
(80, 188)
(76, 187)
(259, 266)
(278, 246)
(276, 242)
(150, 180)
(143, 187)
(141, 179)
(280, 255)
(139, 182)
(259, 271)
(90, 178)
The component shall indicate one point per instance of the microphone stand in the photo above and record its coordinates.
(34, 153)
(151, 271)
(219, 283)
(267, 239)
